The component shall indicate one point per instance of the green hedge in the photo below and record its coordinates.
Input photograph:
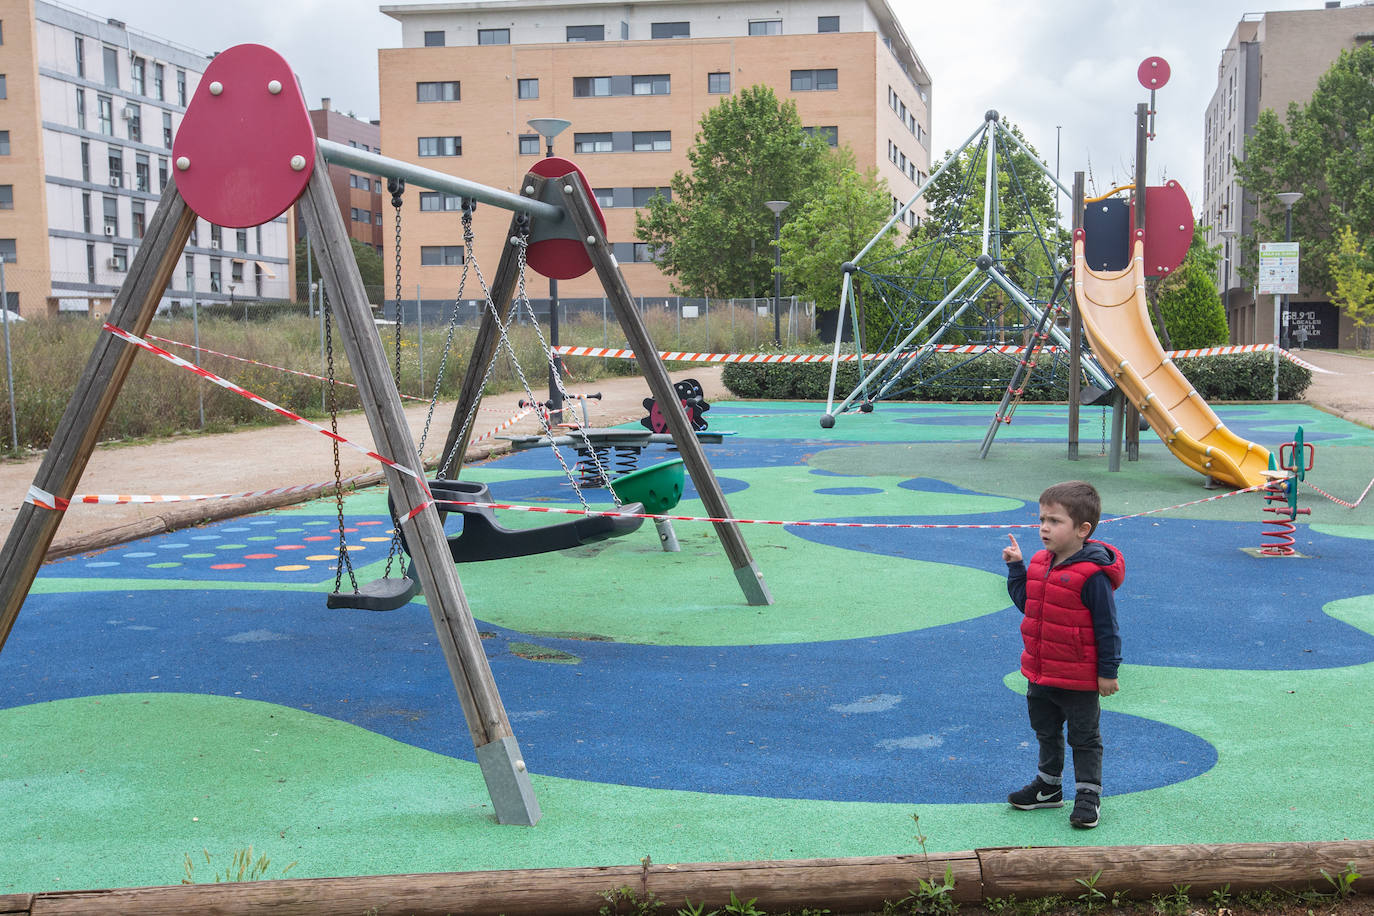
(1238, 377)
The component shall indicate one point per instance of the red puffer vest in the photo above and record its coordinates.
(1061, 647)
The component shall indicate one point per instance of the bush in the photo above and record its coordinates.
(950, 377)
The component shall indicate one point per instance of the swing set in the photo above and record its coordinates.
(246, 153)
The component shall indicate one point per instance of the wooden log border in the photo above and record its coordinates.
(842, 885)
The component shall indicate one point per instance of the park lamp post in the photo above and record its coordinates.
(777, 206)
(1288, 199)
(548, 128)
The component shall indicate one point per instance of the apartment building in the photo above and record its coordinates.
(360, 196)
(634, 79)
(88, 110)
(1271, 60)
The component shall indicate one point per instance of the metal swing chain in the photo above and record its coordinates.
(524, 300)
(522, 229)
(397, 187)
(469, 205)
(345, 561)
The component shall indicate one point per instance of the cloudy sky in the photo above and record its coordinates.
(1064, 70)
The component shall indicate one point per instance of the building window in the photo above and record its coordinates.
(167, 129)
(138, 73)
(431, 255)
(827, 23)
(109, 209)
(9, 251)
(642, 196)
(80, 57)
(119, 258)
(236, 271)
(4, 87)
(215, 274)
(181, 88)
(650, 85)
(85, 160)
(116, 164)
(190, 271)
(643, 253)
(140, 219)
(765, 26)
(529, 144)
(241, 239)
(493, 36)
(104, 107)
(80, 108)
(143, 174)
(830, 134)
(5, 143)
(437, 92)
(216, 236)
(670, 30)
(86, 212)
(159, 82)
(134, 115)
(527, 89)
(815, 80)
(111, 59)
(591, 87)
(6, 197)
(435, 201)
(441, 146)
(717, 82)
(161, 174)
(605, 197)
(586, 33)
(434, 39)
(652, 141)
(592, 143)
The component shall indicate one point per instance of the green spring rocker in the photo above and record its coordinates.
(658, 487)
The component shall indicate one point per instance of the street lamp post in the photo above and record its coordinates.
(777, 206)
(1288, 199)
(548, 128)
(1227, 235)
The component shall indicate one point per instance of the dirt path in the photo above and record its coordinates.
(1346, 388)
(266, 458)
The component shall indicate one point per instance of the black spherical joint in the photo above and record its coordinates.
(984, 262)
(827, 421)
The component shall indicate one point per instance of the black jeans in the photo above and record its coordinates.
(1051, 708)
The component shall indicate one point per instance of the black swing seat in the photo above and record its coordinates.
(484, 538)
(385, 594)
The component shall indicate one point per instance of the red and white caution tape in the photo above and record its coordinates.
(46, 500)
(1337, 499)
(503, 425)
(257, 399)
(682, 356)
(610, 513)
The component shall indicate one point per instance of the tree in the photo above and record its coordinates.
(369, 267)
(1326, 151)
(1352, 275)
(714, 238)
(833, 227)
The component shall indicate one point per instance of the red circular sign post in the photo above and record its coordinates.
(1153, 73)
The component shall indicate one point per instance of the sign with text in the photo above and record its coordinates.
(1278, 268)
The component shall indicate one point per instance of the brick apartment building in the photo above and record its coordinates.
(634, 79)
(1271, 60)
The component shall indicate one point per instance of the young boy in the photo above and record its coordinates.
(1072, 648)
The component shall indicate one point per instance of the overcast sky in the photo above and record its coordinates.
(1044, 64)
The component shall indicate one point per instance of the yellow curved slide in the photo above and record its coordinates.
(1118, 328)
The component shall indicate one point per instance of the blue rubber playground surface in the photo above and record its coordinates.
(191, 693)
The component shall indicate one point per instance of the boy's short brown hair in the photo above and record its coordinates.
(1079, 498)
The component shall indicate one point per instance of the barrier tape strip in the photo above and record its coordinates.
(258, 399)
(48, 501)
(611, 513)
(682, 356)
(1337, 499)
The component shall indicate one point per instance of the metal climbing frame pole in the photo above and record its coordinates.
(1075, 332)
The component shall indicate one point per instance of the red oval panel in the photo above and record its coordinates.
(1153, 72)
(1168, 228)
(562, 259)
(246, 123)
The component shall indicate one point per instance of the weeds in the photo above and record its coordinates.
(242, 867)
(1091, 898)
(1343, 882)
(633, 905)
(1174, 903)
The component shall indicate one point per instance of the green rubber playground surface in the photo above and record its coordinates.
(191, 693)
